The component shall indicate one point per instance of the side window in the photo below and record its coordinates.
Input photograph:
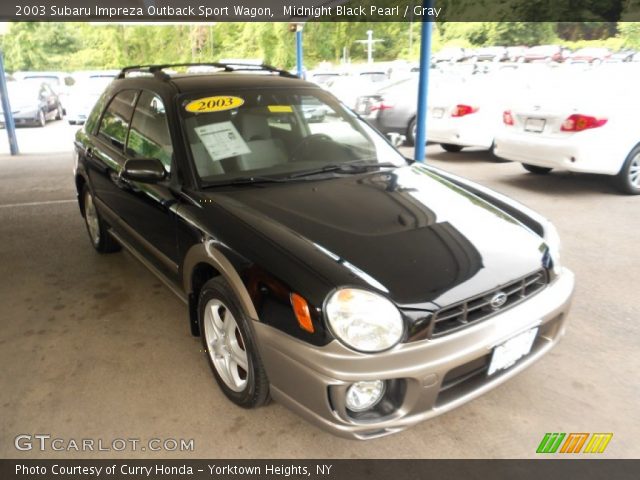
(92, 120)
(115, 121)
(149, 135)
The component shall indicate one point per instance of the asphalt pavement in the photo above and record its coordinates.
(93, 346)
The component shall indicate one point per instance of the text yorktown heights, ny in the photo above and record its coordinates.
(236, 12)
(159, 469)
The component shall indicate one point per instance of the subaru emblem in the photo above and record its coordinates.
(498, 300)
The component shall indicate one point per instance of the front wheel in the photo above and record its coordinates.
(231, 350)
(41, 121)
(412, 131)
(450, 147)
(59, 113)
(535, 169)
(628, 179)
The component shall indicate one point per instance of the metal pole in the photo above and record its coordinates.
(423, 84)
(369, 46)
(299, 62)
(6, 108)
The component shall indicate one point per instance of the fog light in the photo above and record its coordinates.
(364, 395)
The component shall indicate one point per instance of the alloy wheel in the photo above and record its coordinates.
(225, 345)
(91, 217)
(634, 171)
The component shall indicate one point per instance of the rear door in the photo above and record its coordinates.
(105, 157)
(148, 209)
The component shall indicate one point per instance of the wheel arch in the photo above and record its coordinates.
(203, 262)
(80, 183)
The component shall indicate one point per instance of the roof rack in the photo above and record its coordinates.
(157, 70)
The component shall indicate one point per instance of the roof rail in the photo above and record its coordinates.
(157, 70)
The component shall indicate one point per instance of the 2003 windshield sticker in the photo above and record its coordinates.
(214, 104)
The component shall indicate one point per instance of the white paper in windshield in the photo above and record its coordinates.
(222, 140)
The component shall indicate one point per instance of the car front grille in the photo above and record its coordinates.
(478, 308)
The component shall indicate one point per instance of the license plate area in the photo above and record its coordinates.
(437, 112)
(508, 353)
(535, 125)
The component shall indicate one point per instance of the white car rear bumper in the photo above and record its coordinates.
(580, 152)
(464, 131)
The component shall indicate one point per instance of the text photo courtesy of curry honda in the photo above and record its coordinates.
(317, 237)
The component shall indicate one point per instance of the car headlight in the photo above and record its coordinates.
(552, 239)
(363, 320)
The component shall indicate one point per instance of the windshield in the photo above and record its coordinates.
(21, 92)
(276, 133)
(93, 85)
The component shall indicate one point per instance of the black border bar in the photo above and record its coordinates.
(543, 469)
(320, 10)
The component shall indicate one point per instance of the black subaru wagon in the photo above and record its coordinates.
(320, 267)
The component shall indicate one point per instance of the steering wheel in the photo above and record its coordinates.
(307, 141)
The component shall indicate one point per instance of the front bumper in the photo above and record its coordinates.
(23, 117)
(435, 375)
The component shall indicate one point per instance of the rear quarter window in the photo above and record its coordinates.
(116, 118)
(92, 120)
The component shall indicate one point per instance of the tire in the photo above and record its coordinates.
(41, 121)
(450, 147)
(59, 113)
(98, 234)
(411, 133)
(535, 169)
(72, 122)
(628, 179)
(230, 347)
(494, 157)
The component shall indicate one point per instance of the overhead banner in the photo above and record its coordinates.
(321, 10)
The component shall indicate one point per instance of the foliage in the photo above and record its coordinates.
(76, 46)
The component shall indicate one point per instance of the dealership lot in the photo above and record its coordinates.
(95, 347)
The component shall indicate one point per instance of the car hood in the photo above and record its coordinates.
(407, 233)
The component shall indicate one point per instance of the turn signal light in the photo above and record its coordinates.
(507, 117)
(578, 122)
(301, 309)
(462, 110)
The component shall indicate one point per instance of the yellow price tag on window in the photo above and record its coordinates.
(280, 108)
(214, 104)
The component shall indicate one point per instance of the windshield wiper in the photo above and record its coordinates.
(244, 181)
(359, 167)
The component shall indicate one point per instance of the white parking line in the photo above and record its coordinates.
(32, 204)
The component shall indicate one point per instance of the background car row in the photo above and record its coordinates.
(575, 117)
(538, 53)
(36, 97)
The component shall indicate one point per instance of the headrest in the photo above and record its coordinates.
(254, 127)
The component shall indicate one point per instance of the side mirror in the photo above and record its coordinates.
(396, 139)
(146, 170)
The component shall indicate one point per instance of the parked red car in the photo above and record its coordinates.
(590, 55)
(545, 53)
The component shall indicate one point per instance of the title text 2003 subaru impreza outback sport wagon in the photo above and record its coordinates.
(320, 267)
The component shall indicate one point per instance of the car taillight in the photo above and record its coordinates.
(381, 106)
(578, 122)
(507, 117)
(462, 110)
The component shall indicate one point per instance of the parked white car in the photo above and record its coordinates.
(583, 122)
(85, 93)
(348, 88)
(467, 111)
